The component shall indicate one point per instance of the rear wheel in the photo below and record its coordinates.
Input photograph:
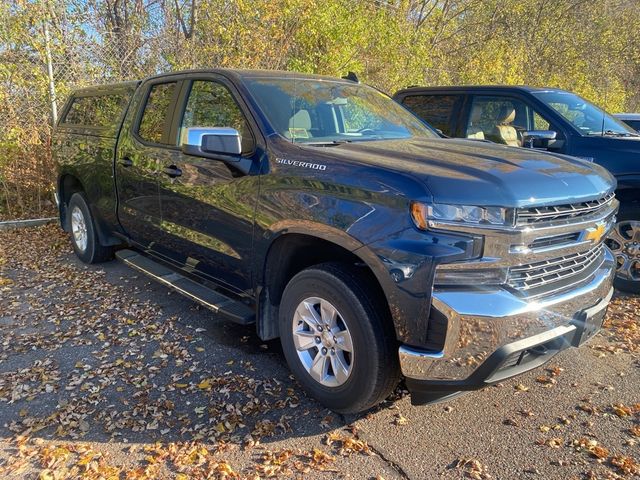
(337, 340)
(84, 237)
(624, 242)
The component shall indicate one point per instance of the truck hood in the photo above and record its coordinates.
(480, 173)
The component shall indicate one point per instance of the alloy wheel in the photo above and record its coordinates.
(79, 229)
(624, 242)
(323, 342)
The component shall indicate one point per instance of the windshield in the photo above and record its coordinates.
(585, 116)
(327, 111)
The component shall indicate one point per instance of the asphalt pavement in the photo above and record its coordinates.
(106, 374)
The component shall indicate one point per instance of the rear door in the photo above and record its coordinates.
(144, 146)
(208, 208)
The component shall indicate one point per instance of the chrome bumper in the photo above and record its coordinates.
(482, 321)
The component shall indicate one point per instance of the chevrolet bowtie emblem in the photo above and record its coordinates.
(596, 233)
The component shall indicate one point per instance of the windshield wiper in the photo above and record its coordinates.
(611, 133)
(329, 143)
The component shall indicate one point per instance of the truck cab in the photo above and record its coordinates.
(553, 120)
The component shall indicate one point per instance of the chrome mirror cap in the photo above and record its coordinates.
(207, 142)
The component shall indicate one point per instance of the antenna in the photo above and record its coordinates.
(351, 77)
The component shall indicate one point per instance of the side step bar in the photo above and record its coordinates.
(236, 311)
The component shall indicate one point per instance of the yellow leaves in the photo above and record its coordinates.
(621, 410)
(48, 474)
(224, 470)
(5, 282)
(555, 442)
(53, 456)
(205, 384)
(473, 468)
(592, 447)
(521, 388)
(626, 465)
(181, 385)
(347, 445)
(547, 381)
(400, 419)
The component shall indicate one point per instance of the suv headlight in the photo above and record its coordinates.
(425, 215)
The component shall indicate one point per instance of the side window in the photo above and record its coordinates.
(211, 104)
(101, 111)
(436, 110)
(155, 117)
(499, 119)
(635, 124)
(80, 111)
(540, 123)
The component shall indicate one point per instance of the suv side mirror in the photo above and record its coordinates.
(212, 142)
(530, 136)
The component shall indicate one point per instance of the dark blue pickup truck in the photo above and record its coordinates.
(553, 120)
(325, 214)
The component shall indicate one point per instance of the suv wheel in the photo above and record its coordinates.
(337, 341)
(83, 233)
(624, 242)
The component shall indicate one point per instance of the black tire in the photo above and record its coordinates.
(375, 368)
(628, 212)
(92, 252)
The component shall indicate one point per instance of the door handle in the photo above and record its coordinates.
(172, 171)
(126, 162)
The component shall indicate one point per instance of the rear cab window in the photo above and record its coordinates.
(99, 114)
(439, 111)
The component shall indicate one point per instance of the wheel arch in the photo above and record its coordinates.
(68, 184)
(296, 248)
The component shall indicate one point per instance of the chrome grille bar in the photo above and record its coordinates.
(533, 215)
(542, 273)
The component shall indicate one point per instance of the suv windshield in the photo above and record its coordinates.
(585, 116)
(327, 111)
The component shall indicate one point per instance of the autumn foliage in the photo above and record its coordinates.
(48, 47)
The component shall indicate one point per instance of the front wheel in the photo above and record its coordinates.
(337, 340)
(624, 242)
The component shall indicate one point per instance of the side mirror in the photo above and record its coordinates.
(212, 142)
(530, 136)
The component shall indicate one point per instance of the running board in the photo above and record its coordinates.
(236, 311)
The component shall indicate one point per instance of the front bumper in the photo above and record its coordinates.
(494, 334)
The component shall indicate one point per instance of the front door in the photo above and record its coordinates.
(143, 148)
(503, 119)
(208, 205)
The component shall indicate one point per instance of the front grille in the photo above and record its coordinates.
(547, 274)
(554, 241)
(535, 215)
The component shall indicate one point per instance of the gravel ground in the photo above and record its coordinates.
(106, 375)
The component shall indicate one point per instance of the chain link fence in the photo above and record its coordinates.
(36, 77)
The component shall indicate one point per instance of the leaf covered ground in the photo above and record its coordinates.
(105, 375)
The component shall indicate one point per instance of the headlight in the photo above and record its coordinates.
(449, 276)
(424, 215)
